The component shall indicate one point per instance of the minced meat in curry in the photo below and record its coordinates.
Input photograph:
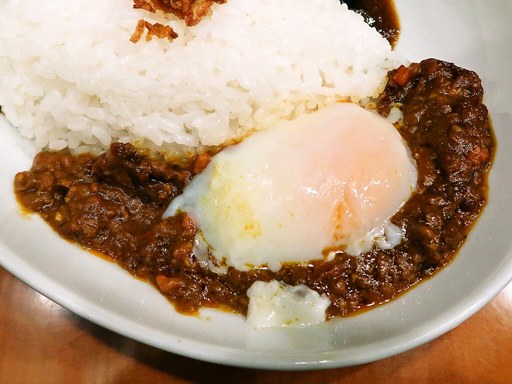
(113, 203)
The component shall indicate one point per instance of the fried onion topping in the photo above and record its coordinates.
(192, 11)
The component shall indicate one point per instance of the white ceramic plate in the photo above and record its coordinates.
(473, 34)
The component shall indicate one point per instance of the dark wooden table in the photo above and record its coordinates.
(41, 342)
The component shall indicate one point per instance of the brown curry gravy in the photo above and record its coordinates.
(380, 14)
(112, 204)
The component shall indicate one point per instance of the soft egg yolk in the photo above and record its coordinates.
(329, 180)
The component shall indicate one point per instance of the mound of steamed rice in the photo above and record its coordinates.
(70, 77)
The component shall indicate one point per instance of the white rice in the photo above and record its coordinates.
(70, 77)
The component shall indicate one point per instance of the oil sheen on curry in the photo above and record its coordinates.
(154, 218)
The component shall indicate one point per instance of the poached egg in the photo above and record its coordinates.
(329, 180)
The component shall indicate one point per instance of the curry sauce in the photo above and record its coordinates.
(113, 204)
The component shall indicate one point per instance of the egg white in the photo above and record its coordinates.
(327, 180)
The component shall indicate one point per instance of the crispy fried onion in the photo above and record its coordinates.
(159, 30)
(189, 10)
(192, 11)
